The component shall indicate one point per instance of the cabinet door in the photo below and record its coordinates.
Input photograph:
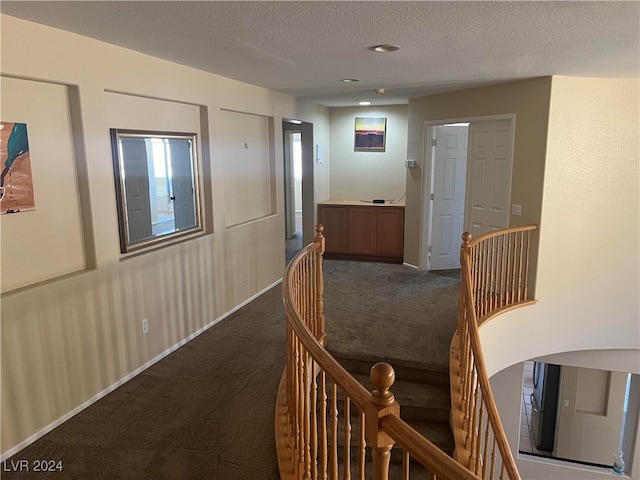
(362, 230)
(335, 222)
(390, 231)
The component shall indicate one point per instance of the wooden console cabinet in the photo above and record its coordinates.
(361, 230)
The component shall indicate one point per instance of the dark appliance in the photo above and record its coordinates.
(544, 404)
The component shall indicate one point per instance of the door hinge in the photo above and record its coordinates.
(433, 196)
(429, 248)
(434, 142)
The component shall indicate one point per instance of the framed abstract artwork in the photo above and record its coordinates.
(16, 182)
(370, 134)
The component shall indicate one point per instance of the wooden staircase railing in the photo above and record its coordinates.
(494, 278)
(328, 426)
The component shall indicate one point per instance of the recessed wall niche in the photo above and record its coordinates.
(249, 166)
(47, 242)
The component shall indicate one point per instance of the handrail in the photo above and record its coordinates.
(316, 436)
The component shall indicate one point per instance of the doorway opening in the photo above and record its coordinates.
(467, 184)
(298, 187)
(293, 227)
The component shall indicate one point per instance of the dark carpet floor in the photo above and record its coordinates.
(206, 410)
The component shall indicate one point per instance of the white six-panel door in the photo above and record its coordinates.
(488, 176)
(450, 161)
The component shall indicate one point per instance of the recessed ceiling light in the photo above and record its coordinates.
(349, 80)
(385, 48)
(364, 103)
(379, 90)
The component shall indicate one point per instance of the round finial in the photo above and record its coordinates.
(319, 229)
(466, 238)
(382, 376)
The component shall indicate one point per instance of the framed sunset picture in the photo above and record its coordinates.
(370, 134)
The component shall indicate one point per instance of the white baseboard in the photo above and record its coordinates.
(410, 266)
(137, 371)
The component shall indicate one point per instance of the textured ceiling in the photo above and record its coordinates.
(304, 48)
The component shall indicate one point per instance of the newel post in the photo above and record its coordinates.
(465, 259)
(381, 403)
(320, 325)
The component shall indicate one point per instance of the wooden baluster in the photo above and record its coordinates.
(477, 267)
(320, 320)
(513, 262)
(493, 287)
(334, 433)
(297, 408)
(504, 262)
(312, 291)
(526, 276)
(323, 426)
(509, 272)
(465, 384)
(300, 409)
(293, 368)
(482, 250)
(469, 407)
(405, 465)
(520, 297)
(484, 280)
(314, 294)
(304, 278)
(493, 459)
(362, 448)
(485, 453)
(314, 421)
(471, 411)
(381, 403)
(307, 416)
(479, 431)
(346, 473)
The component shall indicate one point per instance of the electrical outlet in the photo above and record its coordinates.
(145, 325)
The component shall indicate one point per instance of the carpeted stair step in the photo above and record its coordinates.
(404, 370)
(423, 396)
(418, 401)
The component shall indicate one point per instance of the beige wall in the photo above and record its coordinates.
(77, 332)
(368, 175)
(528, 100)
(589, 265)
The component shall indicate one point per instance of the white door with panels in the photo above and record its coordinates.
(488, 176)
(449, 167)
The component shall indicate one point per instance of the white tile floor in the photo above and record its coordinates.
(527, 442)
